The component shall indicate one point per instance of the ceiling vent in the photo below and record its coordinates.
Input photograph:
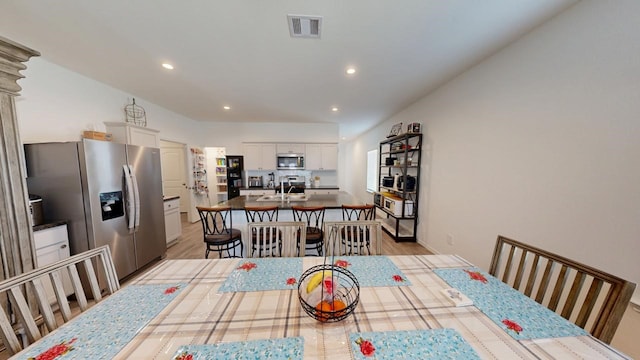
(303, 26)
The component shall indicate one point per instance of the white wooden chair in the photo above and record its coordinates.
(284, 236)
(26, 308)
(360, 237)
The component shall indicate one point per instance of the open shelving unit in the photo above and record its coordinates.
(399, 185)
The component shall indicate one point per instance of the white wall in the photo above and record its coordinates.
(540, 142)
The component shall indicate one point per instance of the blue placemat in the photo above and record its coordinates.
(373, 270)
(413, 344)
(102, 331)
(520, 316)
(285, 349)
(264, 274)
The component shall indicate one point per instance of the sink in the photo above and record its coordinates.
(287, 197)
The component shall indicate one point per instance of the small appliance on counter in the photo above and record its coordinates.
(35, 208)
(255, 181)
(272, 181)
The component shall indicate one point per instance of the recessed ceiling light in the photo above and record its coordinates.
(334, 109)
(167, 66)
(227, 107)
(351, 71)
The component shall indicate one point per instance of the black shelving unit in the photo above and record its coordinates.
(399, 185)
(235, 166)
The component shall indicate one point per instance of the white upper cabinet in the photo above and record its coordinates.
(259, 156)
(127, 133)
(321, 157)
(290, 148)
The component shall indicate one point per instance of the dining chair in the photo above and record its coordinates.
(25, 299)
(314, 218)
(362, 241)
(358, 237)
(218, 232)
(284, 234)
(595, 300)
(273, 246)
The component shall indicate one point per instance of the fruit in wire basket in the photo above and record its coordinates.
(316, 279)
(328, 293)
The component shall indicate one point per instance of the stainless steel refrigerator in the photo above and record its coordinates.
(109, 193)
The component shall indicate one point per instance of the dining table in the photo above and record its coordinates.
(409, 307)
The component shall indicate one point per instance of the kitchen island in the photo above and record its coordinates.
(332, 203)
(329, 201)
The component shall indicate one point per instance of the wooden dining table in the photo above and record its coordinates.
(250, 309)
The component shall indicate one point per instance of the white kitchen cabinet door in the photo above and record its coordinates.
(52, 245)
(259, 156)
(290, 148)
(126, 133)
(172, 222)
(321, 157)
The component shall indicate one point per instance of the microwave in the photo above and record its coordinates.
(394, 206)
(290, 161)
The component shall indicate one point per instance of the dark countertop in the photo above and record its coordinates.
(49, 225)
(328, 201)
(169, 198)
(327, 187)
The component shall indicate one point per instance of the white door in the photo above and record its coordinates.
(174, 172)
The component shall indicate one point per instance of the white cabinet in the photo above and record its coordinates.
(308, 191)
(257, 192)
(127, 133)
(172, 223)
(52, 244)
(321, 157)
(259, 156)
(290, 148)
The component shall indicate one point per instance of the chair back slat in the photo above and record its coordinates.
(559, 287)
(595, 301)
(283, 236)
(531, 280)
(23, 314)
(544, 283)
(61, 297)
(43, 304)
(28, 311)
(353, 238)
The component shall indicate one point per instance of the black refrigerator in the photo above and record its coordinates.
(235, 165)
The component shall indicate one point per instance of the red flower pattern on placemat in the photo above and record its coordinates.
(291, 281)
(512, 325)
(476, 275)
(342, 263)
(398, 278)
(171, 290)
(366, 347)
(247, 266)
(56, 350)
(184, 356)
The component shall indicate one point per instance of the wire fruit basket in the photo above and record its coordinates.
(328, 293)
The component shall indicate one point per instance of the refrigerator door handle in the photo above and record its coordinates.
(130, 199)
(136, 196)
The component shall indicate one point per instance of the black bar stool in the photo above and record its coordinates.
(218, 231)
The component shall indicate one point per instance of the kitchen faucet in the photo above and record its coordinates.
(282, 187)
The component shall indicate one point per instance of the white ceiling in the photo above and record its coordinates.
(239, 52)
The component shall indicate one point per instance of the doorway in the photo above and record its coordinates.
(173, 157)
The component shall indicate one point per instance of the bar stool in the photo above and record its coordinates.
(263, 214)
(314, 217)
(218, 231)
(357, 213)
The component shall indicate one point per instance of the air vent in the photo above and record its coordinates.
(303, 26)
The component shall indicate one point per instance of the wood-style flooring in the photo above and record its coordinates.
(191, 246)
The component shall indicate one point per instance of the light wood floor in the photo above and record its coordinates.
(191, 246)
